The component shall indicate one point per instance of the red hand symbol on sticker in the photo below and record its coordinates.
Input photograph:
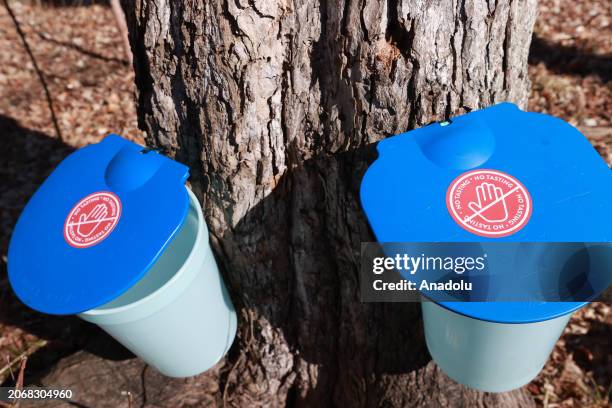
(488, 203)
(92, 219)
(491, 205)
(88, 223)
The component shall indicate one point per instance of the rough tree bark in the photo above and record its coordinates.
(275, 106)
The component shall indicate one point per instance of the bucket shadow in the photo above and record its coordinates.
(27, 157)
(294, 259)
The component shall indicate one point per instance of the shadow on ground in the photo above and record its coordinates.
(572, 60)
(592, 352)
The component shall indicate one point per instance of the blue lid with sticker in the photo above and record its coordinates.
(497, 174)
(95, 226)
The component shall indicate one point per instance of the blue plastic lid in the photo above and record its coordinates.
(95, 226)
(543, 182)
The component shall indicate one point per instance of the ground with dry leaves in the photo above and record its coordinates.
(79, 51)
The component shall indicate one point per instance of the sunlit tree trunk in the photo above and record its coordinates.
(275, 106)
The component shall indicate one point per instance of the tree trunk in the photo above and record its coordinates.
(275, 106)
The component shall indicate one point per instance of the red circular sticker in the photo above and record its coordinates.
(489, 203)
(92, 219)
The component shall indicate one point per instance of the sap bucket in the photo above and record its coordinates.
(498, 175)
(114, 236)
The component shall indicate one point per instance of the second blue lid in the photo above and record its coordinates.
(497, 174)
(96, 226)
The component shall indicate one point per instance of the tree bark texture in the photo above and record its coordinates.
(276, 105)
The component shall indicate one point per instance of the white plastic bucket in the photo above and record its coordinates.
(488, 356)
(179, 317)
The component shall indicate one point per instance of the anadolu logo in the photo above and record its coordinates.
(489, 203)
(92, 219)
